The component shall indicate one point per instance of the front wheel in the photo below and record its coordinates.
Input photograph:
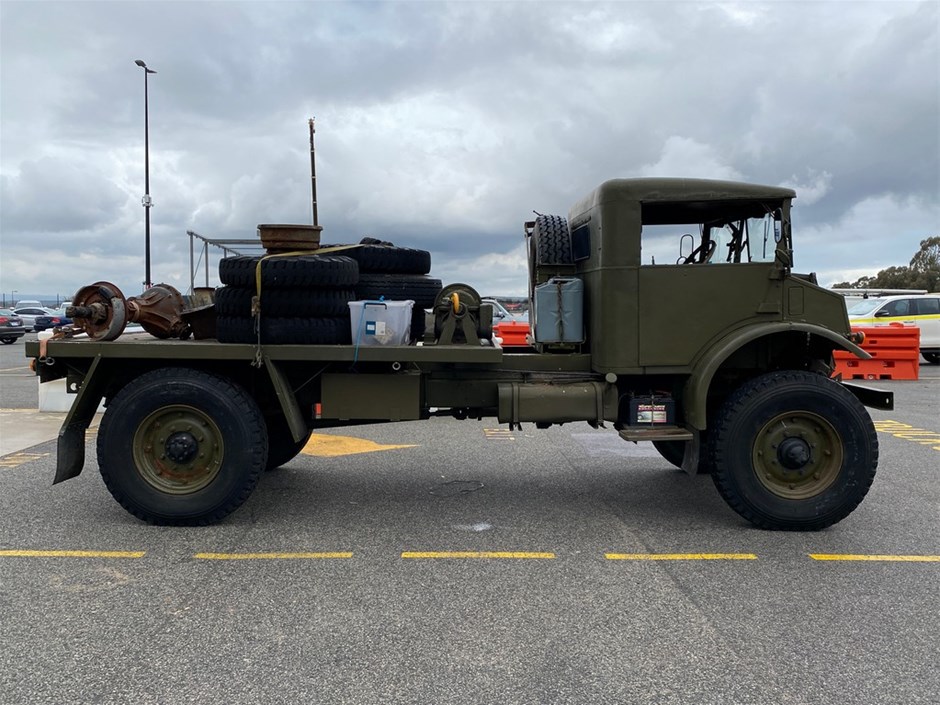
(932, 358)
(9, 341)
(179, 446)
(793, 450)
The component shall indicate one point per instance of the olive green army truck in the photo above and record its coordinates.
(717, 353)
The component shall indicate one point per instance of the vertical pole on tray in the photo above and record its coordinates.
(313, 173)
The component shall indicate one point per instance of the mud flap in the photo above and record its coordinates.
(70, 449)
(693, 451)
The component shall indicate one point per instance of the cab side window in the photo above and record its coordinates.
(928, 307)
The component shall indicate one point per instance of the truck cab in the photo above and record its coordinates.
(690, 280)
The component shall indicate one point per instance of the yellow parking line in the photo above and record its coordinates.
(681, 556)
(268, 556)
(14, 460)
(475, 554)
(865, 557)
(498, 434)
(13, 553)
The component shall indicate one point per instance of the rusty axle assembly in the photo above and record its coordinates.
(102, 312)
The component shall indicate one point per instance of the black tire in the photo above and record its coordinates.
(282, 448)
(8, 341)
(388, 259)
(793, 450)
(181, 447)
(297, 271)
(674, 451)
(423, 290)
(284, 303)
(284, 331)
(552, 241)
(931, 358)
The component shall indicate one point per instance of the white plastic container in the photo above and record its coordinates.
(380, 322)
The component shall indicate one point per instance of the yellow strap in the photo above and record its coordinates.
(256, 302)
(298, 253)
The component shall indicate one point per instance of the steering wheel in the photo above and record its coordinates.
(709, 249)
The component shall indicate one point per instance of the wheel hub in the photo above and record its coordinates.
(793, 453)
(178, 449)
(797, 455)
(181, 447)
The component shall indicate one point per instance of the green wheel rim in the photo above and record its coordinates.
(178, 449)
(797, 455)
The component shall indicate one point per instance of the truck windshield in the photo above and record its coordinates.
(741, 237)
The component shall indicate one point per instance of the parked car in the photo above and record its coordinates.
(512, 329)
(501, 313)
(54, 319)
(11, 326)
(922, 311)
(27, 303)
(29, 314)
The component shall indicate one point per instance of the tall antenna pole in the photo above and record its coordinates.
(313, 174)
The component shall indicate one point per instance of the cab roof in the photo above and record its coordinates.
(679, 200)
(660, 189)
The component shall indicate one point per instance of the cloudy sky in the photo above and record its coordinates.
(444, 125)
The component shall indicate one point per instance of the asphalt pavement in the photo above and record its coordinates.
(458, 562)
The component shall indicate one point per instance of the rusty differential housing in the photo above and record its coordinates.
(102, 312)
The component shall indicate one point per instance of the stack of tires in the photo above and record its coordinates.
(305, 299)
(396, 274)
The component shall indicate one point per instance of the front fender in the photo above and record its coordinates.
(703, 371)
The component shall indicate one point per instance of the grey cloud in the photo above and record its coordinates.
(444, 125)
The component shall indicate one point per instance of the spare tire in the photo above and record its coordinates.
(284, 303)
(421, 289)
(284, 331)
(552, 240)
(297, 271)
(388, 258)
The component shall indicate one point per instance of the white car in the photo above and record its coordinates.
(921, 310)
(29, 314)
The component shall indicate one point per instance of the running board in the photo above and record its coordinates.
(655, 433)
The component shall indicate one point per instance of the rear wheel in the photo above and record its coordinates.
(8, 341)
(181, 447)
(932, 358)
(793, 450)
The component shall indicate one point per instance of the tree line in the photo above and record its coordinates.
(922, 273)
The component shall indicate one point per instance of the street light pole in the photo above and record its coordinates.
(146, 202)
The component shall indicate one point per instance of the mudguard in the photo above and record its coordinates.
(70, 449)
(696, 389)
